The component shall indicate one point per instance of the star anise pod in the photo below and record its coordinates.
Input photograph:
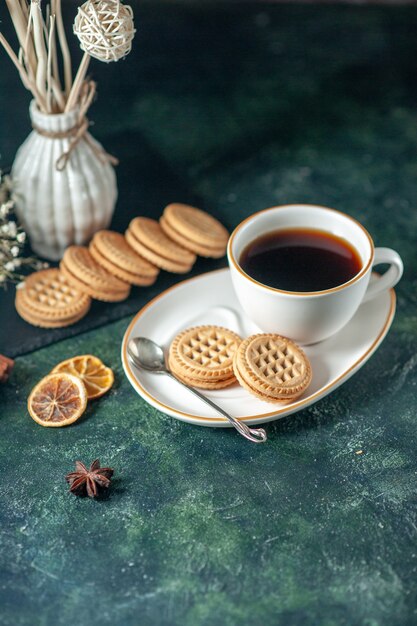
(89, 481)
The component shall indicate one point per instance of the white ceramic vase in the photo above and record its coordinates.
(61, 207)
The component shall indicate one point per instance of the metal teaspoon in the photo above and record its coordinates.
(147, 354)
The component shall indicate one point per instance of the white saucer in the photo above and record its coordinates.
(210, 299)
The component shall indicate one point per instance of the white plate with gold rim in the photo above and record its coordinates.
(210, 299)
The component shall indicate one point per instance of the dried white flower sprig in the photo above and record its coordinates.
(12, 240)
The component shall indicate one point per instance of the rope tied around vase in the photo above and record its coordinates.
(78, 132)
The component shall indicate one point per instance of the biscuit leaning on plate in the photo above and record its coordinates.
(195, 230)
(81, 270)
(202, 356)
(111, 251)
(147, 238)
(271, 367)
(46, 299)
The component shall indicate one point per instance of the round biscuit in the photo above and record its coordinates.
(26, 314)
(196, 225)
(97, 294)
(114, 247)
(153, 257)
(25, 305)
(214, 253)
(125, 275)
(78, 261)
(150, 234)
(49, 295)
(204, 352)
(202, 384)
(255, 392)
(274, 365)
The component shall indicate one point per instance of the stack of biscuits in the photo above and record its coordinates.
(112, 263)
(269, 366)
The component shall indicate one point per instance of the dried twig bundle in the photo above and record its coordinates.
(105, 30)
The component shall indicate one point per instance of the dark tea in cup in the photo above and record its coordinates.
(300, 260)
(294, 277)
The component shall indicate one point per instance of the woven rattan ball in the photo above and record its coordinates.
(105, 29)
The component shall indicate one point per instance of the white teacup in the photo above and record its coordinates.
(308, 317)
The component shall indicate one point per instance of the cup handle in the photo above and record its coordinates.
(391, 276)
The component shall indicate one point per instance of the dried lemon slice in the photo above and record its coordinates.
(96, 377)
(57, 400)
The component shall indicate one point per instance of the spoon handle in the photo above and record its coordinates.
(257, 435)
